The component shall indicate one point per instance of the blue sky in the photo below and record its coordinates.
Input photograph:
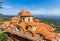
(36, 7)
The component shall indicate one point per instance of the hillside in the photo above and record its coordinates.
(4, 18)
(51, 20)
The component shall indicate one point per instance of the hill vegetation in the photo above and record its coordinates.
(53, 21)
(4, 18)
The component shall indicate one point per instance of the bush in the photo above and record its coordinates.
(3, 37)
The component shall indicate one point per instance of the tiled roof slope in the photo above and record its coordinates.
(42, 28)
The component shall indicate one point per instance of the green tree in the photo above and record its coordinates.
(1, 3)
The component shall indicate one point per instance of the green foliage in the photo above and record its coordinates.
(3, 37)
(4, 18)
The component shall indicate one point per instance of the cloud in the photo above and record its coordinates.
(7, 6)
(9, 11)
(55, 11)
(38, 11)
(46, 11)
(35, 11)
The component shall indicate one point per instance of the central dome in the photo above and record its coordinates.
(24, 13)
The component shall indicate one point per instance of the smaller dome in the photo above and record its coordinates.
(37, 20)
(14, 18)
(24, 13)
(7, 23)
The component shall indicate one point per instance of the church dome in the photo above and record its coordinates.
(24, 13)
(14, 18)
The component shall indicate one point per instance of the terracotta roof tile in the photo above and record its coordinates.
(22, 25)
(32, 23)
(45, 30)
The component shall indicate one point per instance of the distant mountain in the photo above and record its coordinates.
(47, 16)
(4, 18)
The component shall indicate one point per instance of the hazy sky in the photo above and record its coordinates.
(36, 7)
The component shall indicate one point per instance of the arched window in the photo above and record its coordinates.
(34, 28)
(28, 27)
(17, 28)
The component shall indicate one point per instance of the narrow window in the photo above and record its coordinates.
(28, 19)
(23, 20)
